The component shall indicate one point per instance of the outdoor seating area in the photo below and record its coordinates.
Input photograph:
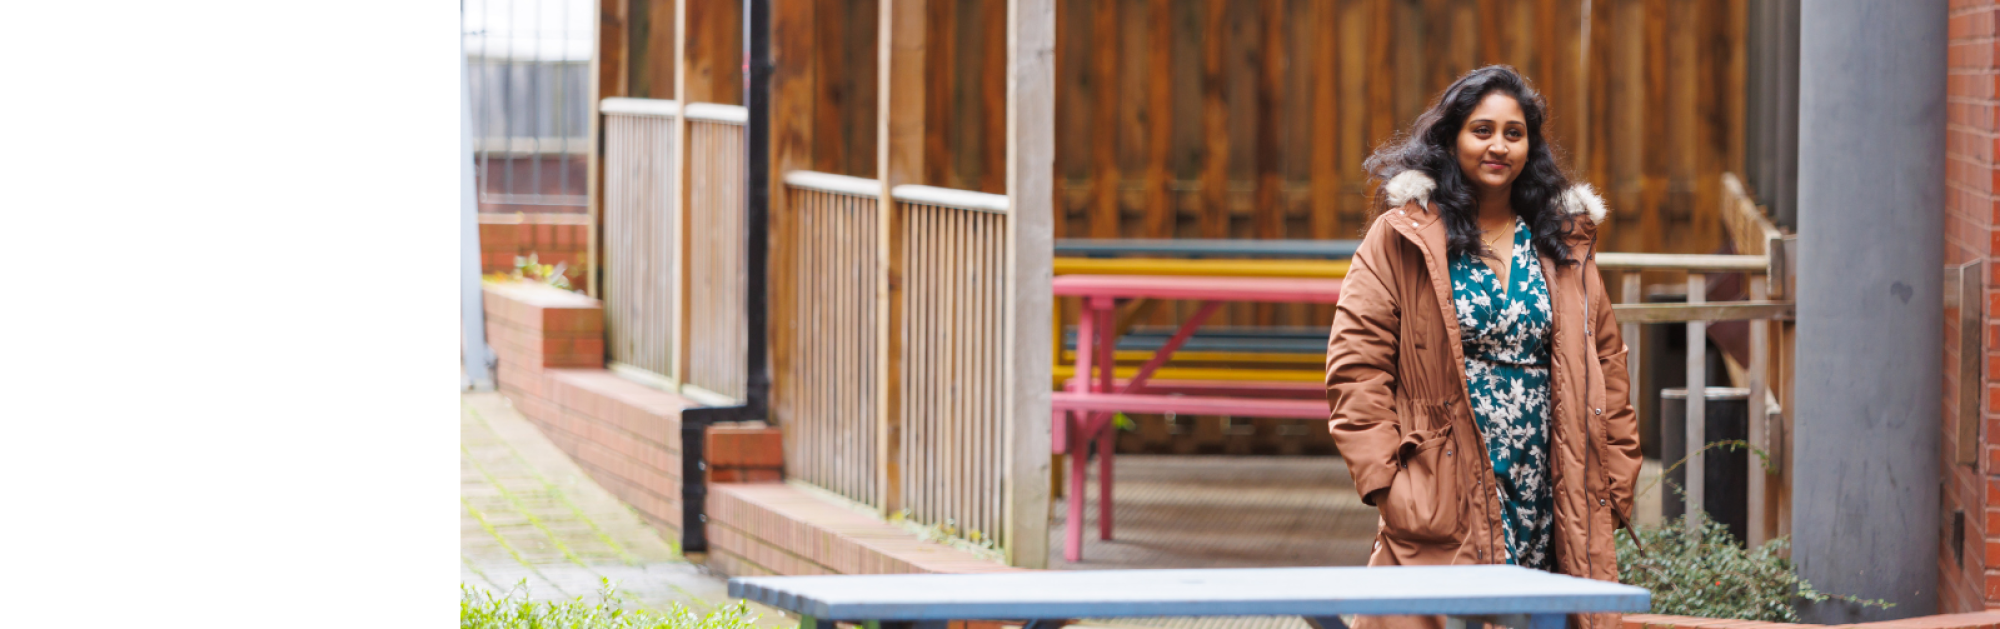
(1028, 294)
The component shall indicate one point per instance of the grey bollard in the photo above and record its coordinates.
(1727, 471)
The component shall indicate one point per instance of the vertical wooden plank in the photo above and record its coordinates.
(1105, 177)
(940, 166)
(1325, 170)
(1158, 117)
(832, 137)
(900, 125)
(1381, 95)
(714, 50)
(792, 87)
(1214, 182)
(990, 96)
(652, 48)
(1030, 245)
(1268, 214)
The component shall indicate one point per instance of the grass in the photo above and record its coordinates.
(480, 608)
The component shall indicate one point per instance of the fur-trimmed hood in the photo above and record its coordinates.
(1414, 185)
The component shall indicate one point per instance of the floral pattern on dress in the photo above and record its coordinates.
(1505, 332)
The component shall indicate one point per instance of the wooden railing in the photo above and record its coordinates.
(716, 334)
(830, 380)
(642, 232)
(953, 256)
(1760, 261)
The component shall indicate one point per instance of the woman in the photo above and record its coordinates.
(1475, 373)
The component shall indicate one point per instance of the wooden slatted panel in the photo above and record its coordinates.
(716, 278)
(1269, 107)
(639, 237)
(953, 358)
(830, 439)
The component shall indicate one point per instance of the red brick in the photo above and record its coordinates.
(734, 446)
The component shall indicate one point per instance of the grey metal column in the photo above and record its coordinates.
(477, 359)
(1870, 310)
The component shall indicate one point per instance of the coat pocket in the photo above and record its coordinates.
(1426, 500)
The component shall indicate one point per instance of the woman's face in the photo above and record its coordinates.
(1493, 144)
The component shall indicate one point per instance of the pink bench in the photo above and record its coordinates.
(1084, 411)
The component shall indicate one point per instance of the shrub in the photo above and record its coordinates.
(1703, 571)
(480, 608)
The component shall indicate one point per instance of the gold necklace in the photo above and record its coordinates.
(1496, 238)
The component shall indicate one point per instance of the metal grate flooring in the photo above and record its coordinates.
(1222, 511)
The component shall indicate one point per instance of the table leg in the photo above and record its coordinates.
(1073, 525)
(1107, 444)
(1104, 308)
(1325, 622)
(1547, 621)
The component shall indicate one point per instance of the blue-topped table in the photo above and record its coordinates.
(1505, 595)
(1206, 247)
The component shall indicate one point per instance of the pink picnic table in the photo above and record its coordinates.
(1084, 410)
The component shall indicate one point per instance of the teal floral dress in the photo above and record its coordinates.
(1505, 331)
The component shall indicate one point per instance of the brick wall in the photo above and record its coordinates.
(773, 528)
(1965, 582)
(550, 346)
(553, 238)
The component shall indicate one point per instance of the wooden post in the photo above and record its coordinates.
(899, 155)
(1759, 528)
(677, 181)
(1697, 401)
(608, 78)
(1031, 26)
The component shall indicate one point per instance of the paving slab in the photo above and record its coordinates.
(532, 519)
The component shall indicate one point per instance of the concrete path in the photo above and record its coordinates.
(531, 518)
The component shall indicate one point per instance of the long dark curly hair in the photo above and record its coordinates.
(1431, 146)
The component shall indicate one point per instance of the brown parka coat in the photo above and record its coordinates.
(1395, 382)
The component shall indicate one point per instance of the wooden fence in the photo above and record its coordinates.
(716, 280)
(830, 383)
(1764, 273)
(953, 256)
(642, 229)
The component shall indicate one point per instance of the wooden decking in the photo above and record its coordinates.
(1225, 511)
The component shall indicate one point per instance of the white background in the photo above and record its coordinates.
(228, 339)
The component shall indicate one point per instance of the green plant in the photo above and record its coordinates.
(479, 608)
(530, 268)
(1694, 567)
(948, 533)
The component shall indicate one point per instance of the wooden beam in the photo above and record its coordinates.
(1715, 311)
(607, 79)
(900, 142)
(1030, 136)
(677, 180)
